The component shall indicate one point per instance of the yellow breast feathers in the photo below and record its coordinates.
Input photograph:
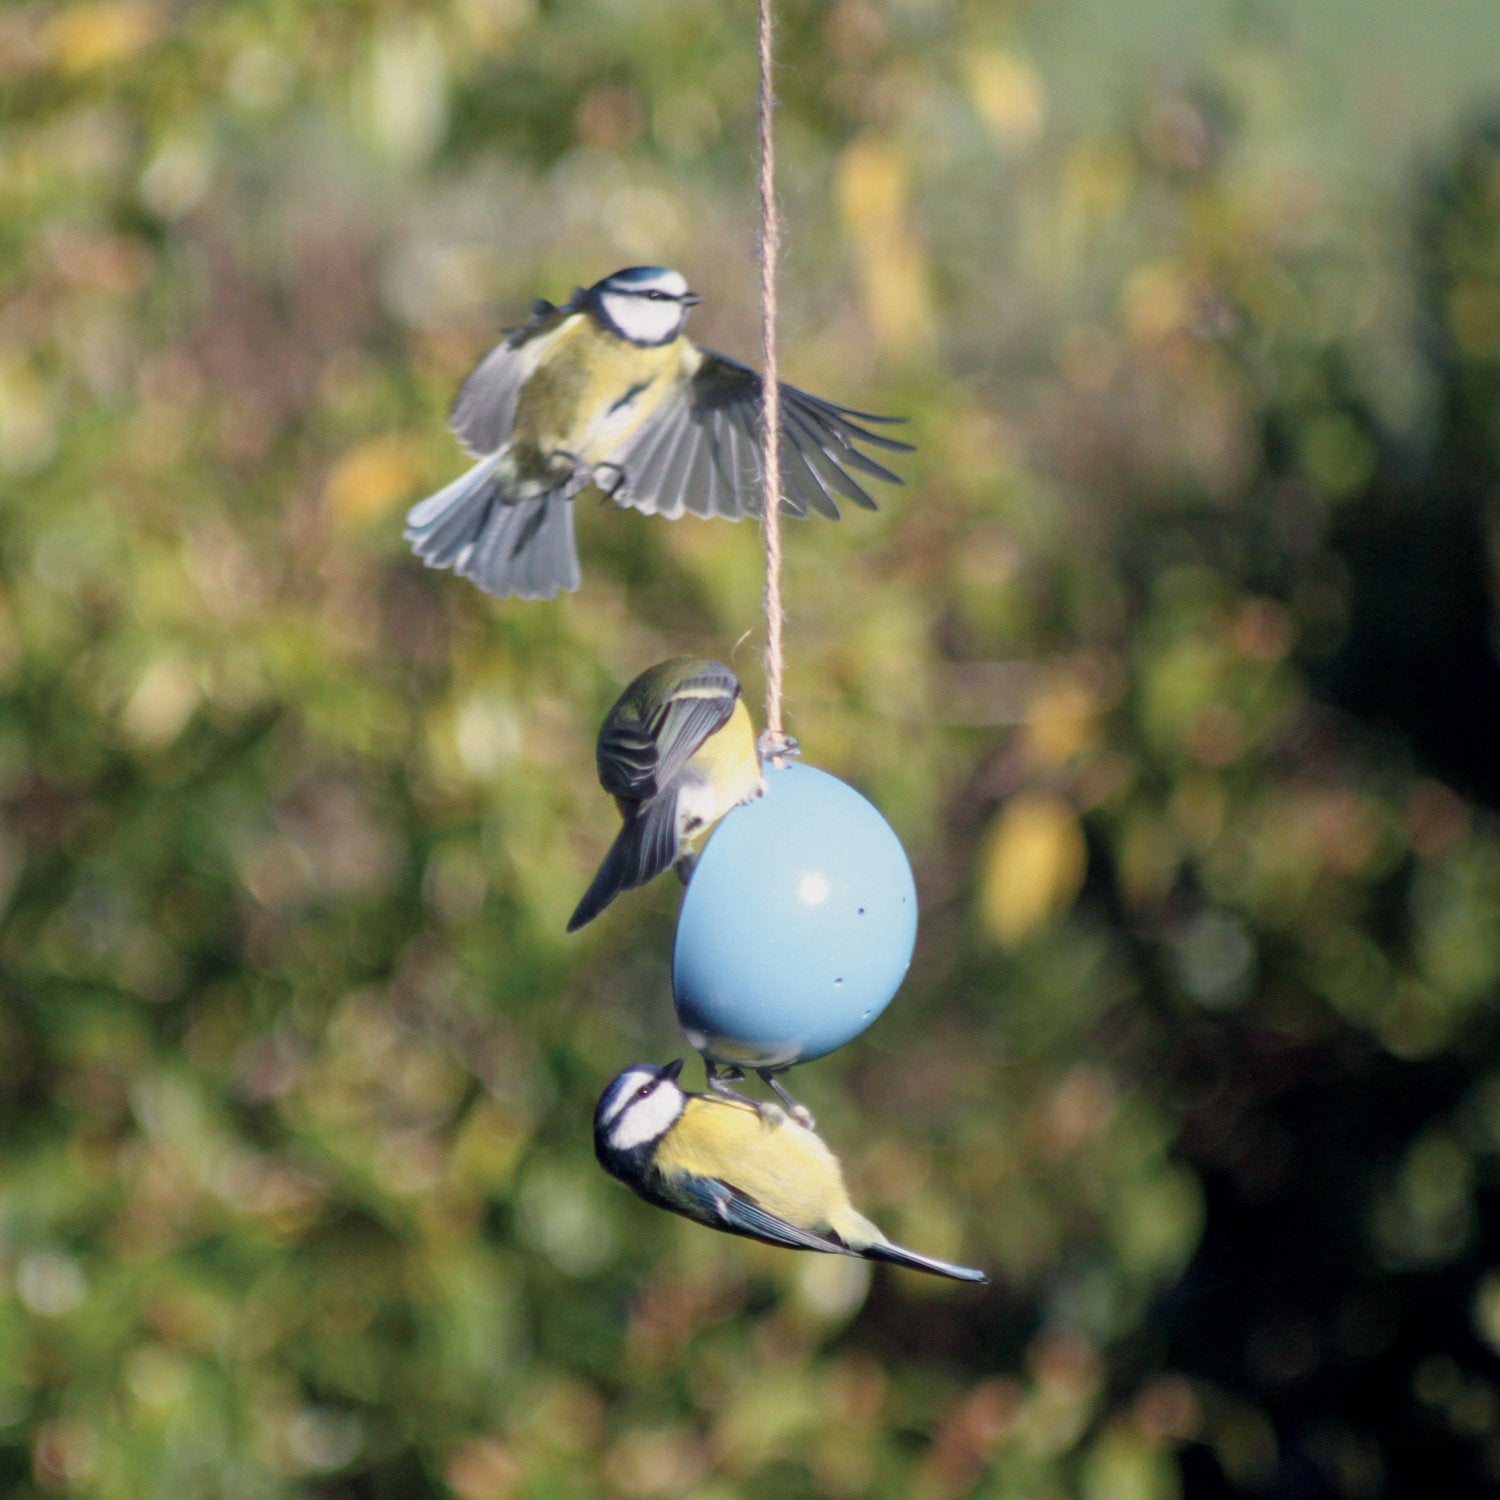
(591, 392)
(785, 1168)
(729, 761)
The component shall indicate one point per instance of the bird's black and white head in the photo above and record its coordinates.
(646, 304)
(637, 1110)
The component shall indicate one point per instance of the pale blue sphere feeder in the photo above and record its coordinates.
(797, 927)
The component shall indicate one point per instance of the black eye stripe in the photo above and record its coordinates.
(626, 1100)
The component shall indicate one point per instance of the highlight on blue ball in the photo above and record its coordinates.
(797, 927)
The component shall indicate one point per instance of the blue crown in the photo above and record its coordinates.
(642, 279)
(635, 275)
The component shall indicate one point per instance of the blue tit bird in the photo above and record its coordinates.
(608, 390)
(676, 752)
(732, 1166)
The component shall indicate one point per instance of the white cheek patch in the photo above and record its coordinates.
(644, 1120)
(641, 319)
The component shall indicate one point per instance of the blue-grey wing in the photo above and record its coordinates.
(637, 757)
(700, 451)
(644, 847)
(698, 709)
(484, 411)
(731, 1210)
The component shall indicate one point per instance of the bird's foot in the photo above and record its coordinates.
(719, 1081)
(685, 866)
(776, 746)
(566, 471)
(799, 1112)
(609, 479)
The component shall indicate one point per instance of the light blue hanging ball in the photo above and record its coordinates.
(797, 927)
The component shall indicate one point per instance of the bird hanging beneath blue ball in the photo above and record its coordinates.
(737, 1167)
(608, 390)
(676, 752)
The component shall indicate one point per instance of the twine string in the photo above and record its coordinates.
(770, 244)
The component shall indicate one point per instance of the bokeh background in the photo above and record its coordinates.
(1173, 664)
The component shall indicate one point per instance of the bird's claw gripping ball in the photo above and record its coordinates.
(721, 1079)
(797, 927)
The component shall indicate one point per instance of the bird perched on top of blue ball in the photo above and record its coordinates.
(733, 1166)
(608, 390)
(676, 752)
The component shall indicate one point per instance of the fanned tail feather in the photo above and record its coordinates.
(524, 548)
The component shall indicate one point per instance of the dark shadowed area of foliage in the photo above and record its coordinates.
(1173, 664)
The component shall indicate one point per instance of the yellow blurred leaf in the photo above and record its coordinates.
(29, 419)
(1097, 181)
(874, 185)
(830, 1288)
(1033, 866)
(1158, 1222)
(1008, 93)
(403, 95)
(162, 703)
(1474, 307)
(484, 1469)
(1487, 1310)
(85, 38)
(488, 1146)
(1157, 301)
(1336, 454)
(369, 480)
(1125, 1464)
(1148, 860)
(1060, 722)
(767, 1414)
(494, 24)
(1198, 809)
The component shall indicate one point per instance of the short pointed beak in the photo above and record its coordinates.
(691, 299)
(673, 1068)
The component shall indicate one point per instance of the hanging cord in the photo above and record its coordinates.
(776, 742)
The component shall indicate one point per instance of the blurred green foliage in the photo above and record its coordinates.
(1173, 665)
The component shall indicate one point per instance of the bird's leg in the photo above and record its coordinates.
(719, 1080)
(610, 480)
(685, 865)
(799, 1112)
(565, 467)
